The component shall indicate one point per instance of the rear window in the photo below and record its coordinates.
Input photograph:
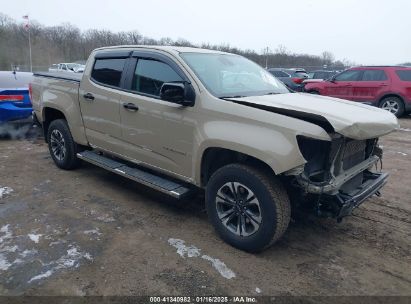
(279, 74)
(405, 75)
(108, 71)
(374, 75)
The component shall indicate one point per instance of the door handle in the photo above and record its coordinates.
(88, 96)
(130, 106)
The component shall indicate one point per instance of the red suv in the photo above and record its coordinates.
(387, 87)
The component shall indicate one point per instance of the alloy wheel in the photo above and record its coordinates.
(58, 145)
(238, 209)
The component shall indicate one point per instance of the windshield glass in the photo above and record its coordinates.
(226, 75)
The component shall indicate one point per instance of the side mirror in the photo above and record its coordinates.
(332, 79)
(179, 93)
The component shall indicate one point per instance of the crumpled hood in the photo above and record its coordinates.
(351, 119)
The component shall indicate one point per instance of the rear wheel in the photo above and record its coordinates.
(249, 209)
(62, 147)
(393, 104)
(314, 92)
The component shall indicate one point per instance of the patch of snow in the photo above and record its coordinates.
(5, 191)
(6, 233)
(193, 252)
(27, 252)
(34, 237)
(41, 276)
(220, 266)
(405, 129)
(402, 153)
(257, 290)
(4, 263)
(183, 250)
(93, 231)
(106, 219)
(69, 260)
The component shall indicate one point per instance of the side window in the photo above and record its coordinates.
(351, 75)
(150, 75)
(108, 71)
(374, 75)
(63, 67)
(405, 75)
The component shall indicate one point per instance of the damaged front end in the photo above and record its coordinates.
(339, 174)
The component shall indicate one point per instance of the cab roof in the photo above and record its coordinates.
(166, 48)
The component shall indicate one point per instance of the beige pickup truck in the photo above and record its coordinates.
(185, 119)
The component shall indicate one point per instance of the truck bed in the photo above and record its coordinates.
(61, 75)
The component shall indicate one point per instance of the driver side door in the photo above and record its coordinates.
(342, 86)
(155, 132)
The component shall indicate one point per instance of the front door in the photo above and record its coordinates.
(156, 132)
(341, 87)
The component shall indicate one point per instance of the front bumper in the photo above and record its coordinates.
(348, 202)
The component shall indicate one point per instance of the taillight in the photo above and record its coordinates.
(30, 92)
(11, 98)
(297, 80)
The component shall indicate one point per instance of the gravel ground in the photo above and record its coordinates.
(91, 232)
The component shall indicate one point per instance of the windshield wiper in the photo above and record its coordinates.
(228, 97)
(272, 93)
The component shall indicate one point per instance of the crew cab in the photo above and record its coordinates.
(387, 87)
(182, 120)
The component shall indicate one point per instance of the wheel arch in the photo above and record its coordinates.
(390, 95)
(214, 158)
(49, 114)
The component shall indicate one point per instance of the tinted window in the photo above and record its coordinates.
(374, 75)
(301, 74)
(348, 75)
(108, 71)
(405, 75)
(150, 75)
(279, 74)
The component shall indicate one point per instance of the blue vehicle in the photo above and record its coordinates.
(15, 101)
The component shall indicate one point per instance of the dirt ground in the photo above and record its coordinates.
(91, 232)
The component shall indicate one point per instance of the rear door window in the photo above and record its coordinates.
(374, 75)
(404, 75)
(279, 74)
(108, 71)
(351, 75)
(150, 75)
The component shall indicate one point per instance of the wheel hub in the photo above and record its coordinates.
(238, 209)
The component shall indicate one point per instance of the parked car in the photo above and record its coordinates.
(387, 87)
(320, 75)
(15, 101)
(180, 119)
(67, 67)
(292, 78)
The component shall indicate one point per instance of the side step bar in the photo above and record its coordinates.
(148, 179)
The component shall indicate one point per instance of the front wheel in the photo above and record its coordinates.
(393, 104)
(249, 209)
(62, 147)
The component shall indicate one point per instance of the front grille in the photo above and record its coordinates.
(354, 153)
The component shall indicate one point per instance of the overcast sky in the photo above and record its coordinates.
(363, 31)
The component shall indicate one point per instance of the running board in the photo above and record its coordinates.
(148, 179)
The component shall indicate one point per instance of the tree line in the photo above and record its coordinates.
(67, 43)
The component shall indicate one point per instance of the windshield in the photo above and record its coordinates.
(226, 75)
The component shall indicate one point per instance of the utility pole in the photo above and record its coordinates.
(266, 50)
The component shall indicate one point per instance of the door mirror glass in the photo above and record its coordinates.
(174, 92)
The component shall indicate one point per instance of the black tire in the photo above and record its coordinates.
(273, 206)
(314, 92)
(393, 104)
(67, 160)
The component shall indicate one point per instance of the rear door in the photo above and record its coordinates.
(372, 84)
(99, 98)
(341, 87)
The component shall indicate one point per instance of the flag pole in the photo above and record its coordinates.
(31, 65)
(27, 26)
